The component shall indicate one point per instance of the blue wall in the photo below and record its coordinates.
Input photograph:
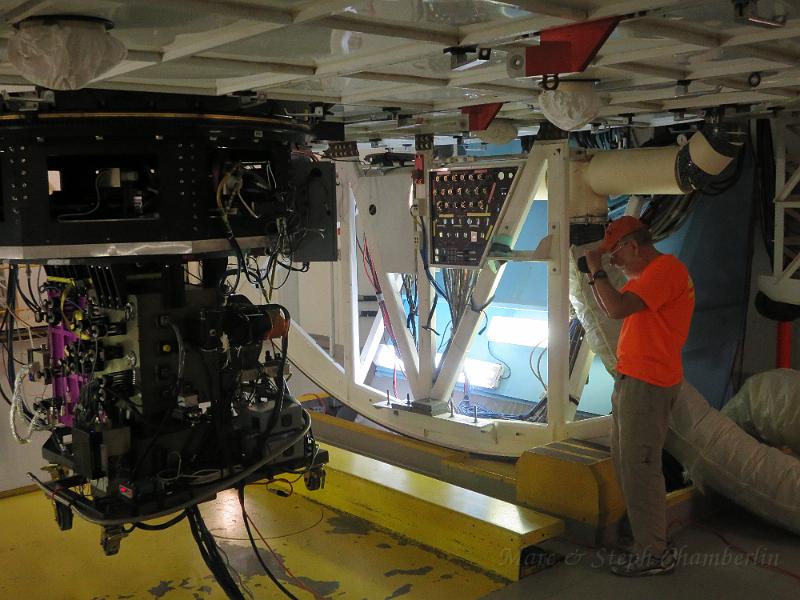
(713, 243)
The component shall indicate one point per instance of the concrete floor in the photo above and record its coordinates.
(335, 556)
(707, 567)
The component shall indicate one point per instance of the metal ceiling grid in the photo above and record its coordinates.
(389, 53)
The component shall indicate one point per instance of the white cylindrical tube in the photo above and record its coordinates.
(637, 171)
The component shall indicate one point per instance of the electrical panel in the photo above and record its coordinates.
(466, 204)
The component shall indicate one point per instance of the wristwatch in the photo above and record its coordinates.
(599, 274)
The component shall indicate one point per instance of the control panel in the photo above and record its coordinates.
(466, 203)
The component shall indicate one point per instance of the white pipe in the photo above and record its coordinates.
(651, 170)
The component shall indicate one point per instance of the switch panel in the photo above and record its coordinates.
(466, 203)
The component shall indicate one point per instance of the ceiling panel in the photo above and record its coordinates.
(306, 42)
(370, 53)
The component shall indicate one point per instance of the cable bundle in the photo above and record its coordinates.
(458, 285)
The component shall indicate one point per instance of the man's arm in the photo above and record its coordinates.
(614, 304)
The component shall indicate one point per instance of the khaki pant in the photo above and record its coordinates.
(640, 417)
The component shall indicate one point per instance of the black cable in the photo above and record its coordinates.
(209, 551)
(35, 298)
(2, 326)
(424, 253)
(764, 183)
(162, 526)
(152, 443)
(279, 379)
(28, 301)
(498, 359)
(246, 519)
(11, 304)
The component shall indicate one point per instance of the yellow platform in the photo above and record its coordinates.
(489, 533)
(573, 479)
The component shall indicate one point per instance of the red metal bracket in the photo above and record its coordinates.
(568, 49)
(418, 174)
(481, 115)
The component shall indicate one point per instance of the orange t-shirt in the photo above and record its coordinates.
(651, 340)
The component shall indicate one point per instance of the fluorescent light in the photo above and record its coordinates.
(518, 330)
(481, 373)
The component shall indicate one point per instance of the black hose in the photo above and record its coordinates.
(264, 566)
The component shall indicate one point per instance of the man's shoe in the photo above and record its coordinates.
(644, 565)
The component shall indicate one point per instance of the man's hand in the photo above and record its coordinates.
(594, 259)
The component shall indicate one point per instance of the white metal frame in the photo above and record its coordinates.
(484, 436)
(781, 285)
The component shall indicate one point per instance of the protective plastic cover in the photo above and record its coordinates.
(721, 456)
(602, 333)
(569, 109)
(768, 408)
(64, 55)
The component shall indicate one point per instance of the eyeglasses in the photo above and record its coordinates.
(619, 247)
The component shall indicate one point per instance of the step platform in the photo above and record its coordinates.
(492, 534)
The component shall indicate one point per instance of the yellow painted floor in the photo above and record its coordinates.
(331, 554)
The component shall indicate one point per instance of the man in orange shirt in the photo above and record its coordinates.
(656, 305)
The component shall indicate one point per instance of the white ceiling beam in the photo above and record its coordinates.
(25, 9)
(786, 77)
(628, 83)
(505, 29)
(319, 9)
(730, 67)
(564, 10)
(136, 60)
(446, 36)
(482, 73)
(253, 67)
(13, 79)
(253, 22)
(190, 44)
(668, 73)
(633, 107)
(452, 104)
(667, 92)
(338, 66)
(139, 86)
(381, 91)
(375, 59)
(675, 30)
(655, 51)
(399, 78)
(709, 100)
(233, 10)
(754, 35)
(253, 82)
(302, 96)
(656, 95)
(774, 54)
(410, 105)
(507, 91)
(455, 81)
(609, 9)
(679, 38)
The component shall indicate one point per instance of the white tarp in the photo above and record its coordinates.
(64, 55)
(768, 408)
(720, 455)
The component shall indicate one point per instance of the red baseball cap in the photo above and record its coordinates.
(616, 230)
